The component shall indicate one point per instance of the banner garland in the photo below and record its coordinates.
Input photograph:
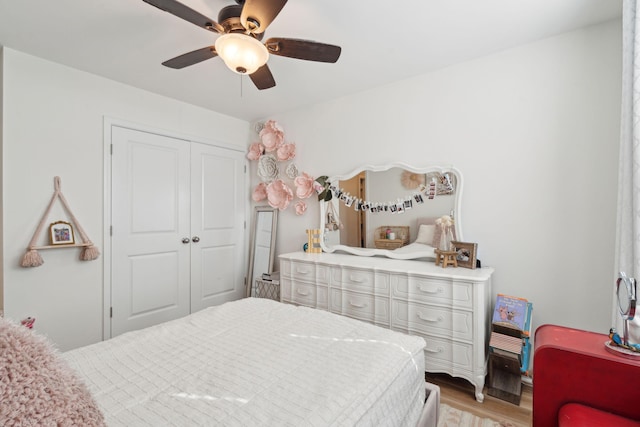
(429, 191)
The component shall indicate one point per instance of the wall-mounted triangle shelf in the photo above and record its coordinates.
(33, 259)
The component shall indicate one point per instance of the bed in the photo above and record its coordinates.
(426, 241)
(259, 362)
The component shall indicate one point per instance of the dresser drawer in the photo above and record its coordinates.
(435, 291)
(428, 319)
(354, 279)
(307, 272)
(388, 244)
(450, 308)
(364, 307)
(450, 356)
(303, 293)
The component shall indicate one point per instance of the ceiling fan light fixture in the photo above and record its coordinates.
(241, 53)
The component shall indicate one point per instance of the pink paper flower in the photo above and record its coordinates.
(279, 194)
(286, 152)
(260, 192)
(255, 151)
(301, 207)
(272, 136)
(304, 185)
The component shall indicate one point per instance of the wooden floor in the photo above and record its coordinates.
(459, 393)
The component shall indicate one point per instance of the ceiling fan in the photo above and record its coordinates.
(241, 28)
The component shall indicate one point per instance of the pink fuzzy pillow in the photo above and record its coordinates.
(37, 387)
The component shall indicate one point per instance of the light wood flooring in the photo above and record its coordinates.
(459, 393)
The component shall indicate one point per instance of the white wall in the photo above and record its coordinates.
(534, 131)
(53, 125)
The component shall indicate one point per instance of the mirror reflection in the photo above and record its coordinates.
(262, 246)
(391, 210)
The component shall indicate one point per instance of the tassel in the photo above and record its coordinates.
(89, 253)
(31, 259)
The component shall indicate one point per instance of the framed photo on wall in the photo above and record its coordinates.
(61, 233)
(466, 253)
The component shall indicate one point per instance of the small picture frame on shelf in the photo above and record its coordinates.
(466, 253)
(61, 233)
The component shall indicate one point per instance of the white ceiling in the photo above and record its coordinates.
(382, 42)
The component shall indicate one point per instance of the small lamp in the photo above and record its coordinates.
(242, 53)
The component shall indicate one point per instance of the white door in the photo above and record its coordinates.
(150, 218)
(217, 225)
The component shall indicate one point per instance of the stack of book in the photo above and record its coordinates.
(509, 346)
(511, 329)
(270, 277)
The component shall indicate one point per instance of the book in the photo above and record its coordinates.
(526, 351)
(527, 322)
(506, 345)
(512, 313)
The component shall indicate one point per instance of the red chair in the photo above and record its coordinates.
(578, 382)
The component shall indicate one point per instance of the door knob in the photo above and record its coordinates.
(185, 240)
(195, 239)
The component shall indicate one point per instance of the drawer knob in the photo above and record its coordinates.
(429, 319)
(299, 292)
(356, 279)
(437, 350)
(357, 305)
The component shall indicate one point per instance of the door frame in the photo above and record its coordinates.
(108, 124)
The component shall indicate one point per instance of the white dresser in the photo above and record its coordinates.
(450, 308)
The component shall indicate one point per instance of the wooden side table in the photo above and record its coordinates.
(572, 365)
(446, 258)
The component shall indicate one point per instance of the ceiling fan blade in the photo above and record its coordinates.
(303, 49)
(181, 11)
(191, 58)
(258, 14)
(262, 78)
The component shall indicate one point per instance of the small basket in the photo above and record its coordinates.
(268, 289)
(401, 232)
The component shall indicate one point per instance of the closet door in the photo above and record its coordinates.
(217, 225)
(150, 271)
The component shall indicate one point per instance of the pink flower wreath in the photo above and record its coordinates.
(272, 136)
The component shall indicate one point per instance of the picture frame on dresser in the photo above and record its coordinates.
(466, 253)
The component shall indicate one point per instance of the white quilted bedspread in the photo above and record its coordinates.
(256, 362)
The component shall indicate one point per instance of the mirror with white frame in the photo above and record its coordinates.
(262, 245)
(380, 210)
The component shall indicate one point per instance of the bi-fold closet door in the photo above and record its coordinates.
(177, 237)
